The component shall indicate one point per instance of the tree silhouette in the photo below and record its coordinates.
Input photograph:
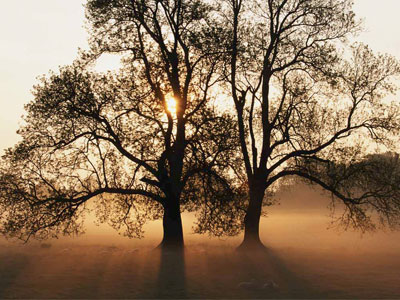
(368, 189)
(152, 139)
(145, 142)
(303, 94)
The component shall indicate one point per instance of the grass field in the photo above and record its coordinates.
(304, 260)
(99, 271)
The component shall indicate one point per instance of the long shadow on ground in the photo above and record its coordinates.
(12, 265)
(171, 281)
(281, 282)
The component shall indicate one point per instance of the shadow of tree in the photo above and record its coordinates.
(171, 281)
(12, 265)
(266, 265)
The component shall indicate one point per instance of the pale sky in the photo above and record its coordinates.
(39, 35)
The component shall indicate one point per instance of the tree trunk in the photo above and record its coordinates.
(251, 240)
(172, 225)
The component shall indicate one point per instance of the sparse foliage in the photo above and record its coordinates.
(306, 103)
(302, 93)
(114, 137)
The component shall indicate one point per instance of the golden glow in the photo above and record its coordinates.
(171, 105)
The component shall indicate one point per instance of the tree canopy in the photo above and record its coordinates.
(144, 141)
(215, 103)
(302, 93)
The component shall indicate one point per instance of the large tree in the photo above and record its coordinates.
(303, 94)
(143, 142)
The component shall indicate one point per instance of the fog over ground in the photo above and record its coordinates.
(304, 260)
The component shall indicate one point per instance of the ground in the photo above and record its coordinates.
(303, 260)
(98, 271)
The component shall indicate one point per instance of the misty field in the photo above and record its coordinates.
(83, 271)
(304, 260)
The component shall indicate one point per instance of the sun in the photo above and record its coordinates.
(171, 105)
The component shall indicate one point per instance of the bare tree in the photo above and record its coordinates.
(135, 140)
(303, 94)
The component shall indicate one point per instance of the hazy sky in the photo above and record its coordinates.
(39, 35)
